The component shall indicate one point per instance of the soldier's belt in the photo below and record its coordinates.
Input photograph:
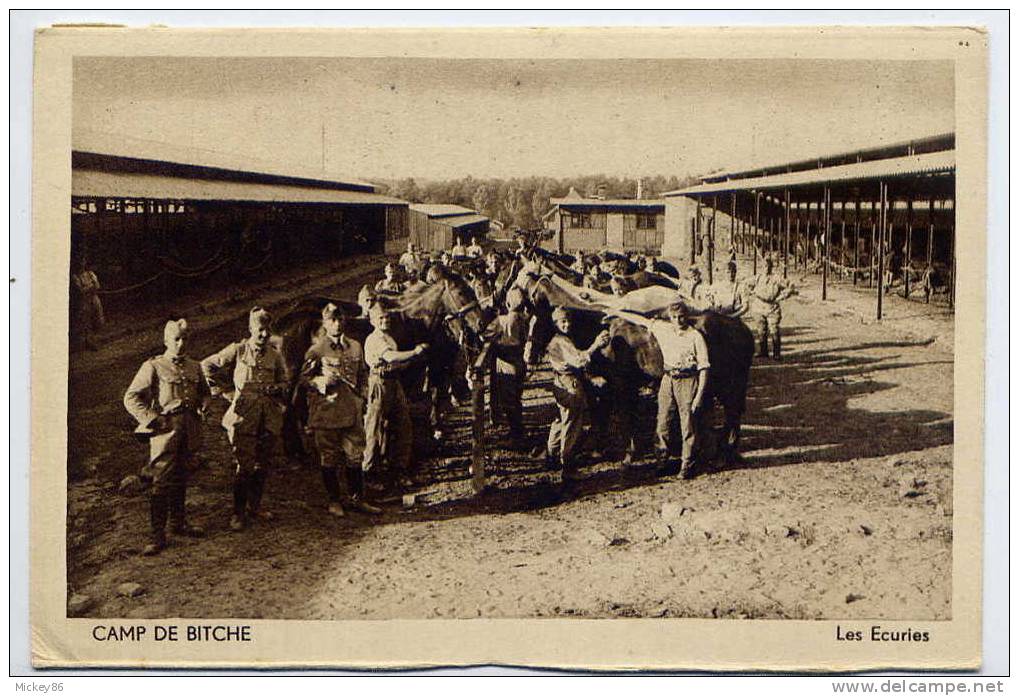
(682, 372)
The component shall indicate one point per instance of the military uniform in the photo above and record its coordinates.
(730, 298)
(766, 295)
(90, 316)
(387, 422)
(165, 398)
(334, 370)
(390, 287)
(570, 391)
(254, 420)
(685, 357)
(508, 334)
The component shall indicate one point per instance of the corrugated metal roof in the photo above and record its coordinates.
(462, 220)
(607, 202)
(87, 183)
(914, 165)
(438, 210)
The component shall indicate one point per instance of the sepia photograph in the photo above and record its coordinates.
(372, 338)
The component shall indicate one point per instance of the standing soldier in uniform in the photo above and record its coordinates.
(729, 296)
(767, 292)
(409, 259)
(387, 422)
(681, 392)
(334, 373)
(258, 388)
(569, 387)
(474, 250)
(89, 317)
(391, 284)
(508, 334)
(168, 397)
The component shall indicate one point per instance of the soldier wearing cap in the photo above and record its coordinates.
(508, 334)
(334, 374)
(766, 293)
(254, 378)
(391, 284)
(474, 250)
(387, 421)
(569, 387)
(409, 259)
(681, 392)
(167, 397)
(730, 295)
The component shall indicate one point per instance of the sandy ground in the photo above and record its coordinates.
(842, 507)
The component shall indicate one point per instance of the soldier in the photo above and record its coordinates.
(334, 374)
(730, 296)
(474, 250)
(569, 387)
(89, 316)
(767, 292)
(391, 284)
(694, 288)
(168, 397)
(681, 392)
(409, 259)
(387, 423)
(508, 334)
(258, 388)
(458, 251)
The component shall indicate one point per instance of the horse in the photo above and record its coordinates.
(634, 358)
(444, 313)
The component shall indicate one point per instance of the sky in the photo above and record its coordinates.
(387, 118)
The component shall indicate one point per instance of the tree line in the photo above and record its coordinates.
(521, 202)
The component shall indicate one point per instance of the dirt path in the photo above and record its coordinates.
(841, 509)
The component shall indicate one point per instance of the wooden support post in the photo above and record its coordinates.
(906, 265)
(711, 240)
(883, 221)
(856, 241)
(930, 244)
(826, 241)
(785, 249)
(560, 243)
(757, 225)
(799, 241)
(732, 221)
(696, 233)
(951, 246)
(872, 256)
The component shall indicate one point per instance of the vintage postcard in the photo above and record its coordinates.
(601, 349)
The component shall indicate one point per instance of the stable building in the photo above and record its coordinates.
(859, 217)
(583, 224)
(438, 226)
(155, 220)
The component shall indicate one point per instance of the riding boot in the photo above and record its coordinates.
(776, 346)
(158, 509)
(763, 352)
(257, 486)
(178, 515)
(355, 488)
(664, 466)
(332, 484)
(237, 522)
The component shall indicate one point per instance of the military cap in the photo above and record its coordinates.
(259, 317)
(175, 328)
(331, 311)
(560, 313)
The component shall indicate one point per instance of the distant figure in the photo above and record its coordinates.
(508, 334)
(620, 285)
(391, 284)
(409, 259)
(767, 292)
(458, 251)
(474, 250)
(730, 296)
(694, 286)
(88, 316)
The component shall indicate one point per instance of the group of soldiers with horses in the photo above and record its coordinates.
(366, 388)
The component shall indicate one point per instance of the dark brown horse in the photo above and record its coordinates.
(634, 358)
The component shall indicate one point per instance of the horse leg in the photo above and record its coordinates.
(729, 440)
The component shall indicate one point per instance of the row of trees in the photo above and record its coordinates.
(521, 202)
